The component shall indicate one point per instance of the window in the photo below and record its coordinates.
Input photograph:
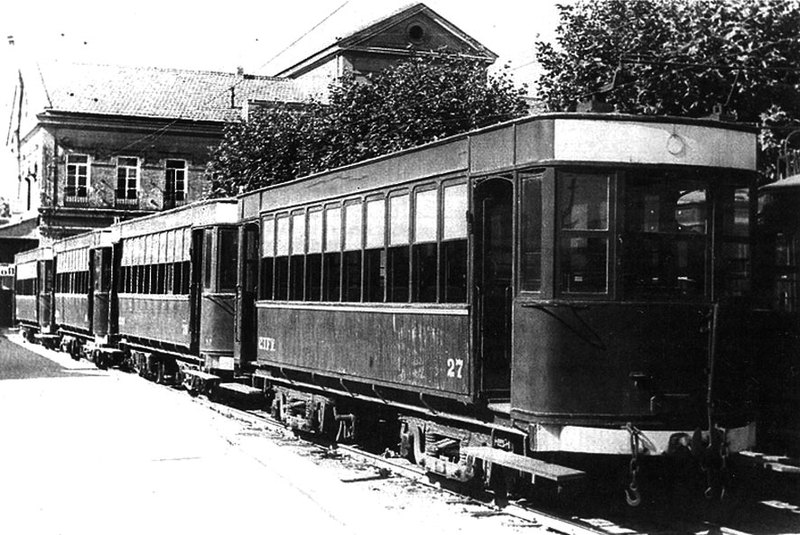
(175, 182)
(332, 259)
(228, 252)
(351, 269)
(297, 261)
(424, 253)
(735, 252)
(282, 259)
(267, 259)
(77, 176)
(583, 200)
(127, 178)
(664, 240)
(398, 252)
(375, 251)
(453, 251)
(531, 232)
(208, 258)
(314, 256)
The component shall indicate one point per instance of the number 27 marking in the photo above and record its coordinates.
(454, 367)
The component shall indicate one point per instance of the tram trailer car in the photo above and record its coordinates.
(155, 293)
(82, 293)
(175, 286)
(777, 253)
(33, 296)
(560, 284)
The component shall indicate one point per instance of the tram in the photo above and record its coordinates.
(556, 286)
(562, 283)
(779, 269)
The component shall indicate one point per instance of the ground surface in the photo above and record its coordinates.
(85, 452)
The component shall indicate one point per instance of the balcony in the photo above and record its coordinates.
(76, 200)
(126, 201)
(172, 199)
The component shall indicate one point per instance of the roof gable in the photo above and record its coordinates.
(416, 27)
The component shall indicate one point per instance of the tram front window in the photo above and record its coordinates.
(584, 225)
(664, 239)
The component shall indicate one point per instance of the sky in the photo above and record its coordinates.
(260, 36)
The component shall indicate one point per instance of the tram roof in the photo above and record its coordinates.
(788, 182)
(476, 153)
(197, 214)
(93, 238)
(44, 252)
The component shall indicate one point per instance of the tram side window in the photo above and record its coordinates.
(332, 259)
(207, 272)
(267, 259)
(375, 251)
(531, 232)
(424, 252)
(398, 252)
(736, 255)
(453, 251)
(25, 287)
(314, 256)
(161, 279)
(351, 266)
(663, 253)
(282, 259)
(228, 250)
(583, 200)
(297, 261)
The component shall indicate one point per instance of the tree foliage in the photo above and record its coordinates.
(411, 103)
(680, 57)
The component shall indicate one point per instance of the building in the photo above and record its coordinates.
(99, 143)
(94, 144)
(415, 29)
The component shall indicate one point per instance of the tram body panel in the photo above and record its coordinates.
(405, 349)
(25, 309)
(623, 362)
(157, 318)
(216, 327)
(72, 311)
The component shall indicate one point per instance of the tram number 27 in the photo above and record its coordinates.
(454, 367)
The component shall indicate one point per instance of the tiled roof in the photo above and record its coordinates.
(158, 92)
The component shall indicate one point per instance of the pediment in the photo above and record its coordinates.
(420, 31)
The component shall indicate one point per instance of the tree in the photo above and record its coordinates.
(680, 57)
(411, 103)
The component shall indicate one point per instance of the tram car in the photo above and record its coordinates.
(155, 293)
(33, 295)
(560, 284)
(81, 295)
(779, 273)
(176, 281)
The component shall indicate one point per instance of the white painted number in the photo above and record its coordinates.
(266, 344)
(454, 367)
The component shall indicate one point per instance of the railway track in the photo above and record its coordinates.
(766, 516)
(578, 521)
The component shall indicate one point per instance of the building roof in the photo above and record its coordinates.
(337, 33)
(154, 92)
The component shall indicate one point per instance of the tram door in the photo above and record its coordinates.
(245, 342)
(198, 254)
(493, 205)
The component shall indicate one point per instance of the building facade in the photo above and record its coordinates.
(413, 30)
(99, 143)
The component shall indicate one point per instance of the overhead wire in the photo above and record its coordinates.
(161, 131)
